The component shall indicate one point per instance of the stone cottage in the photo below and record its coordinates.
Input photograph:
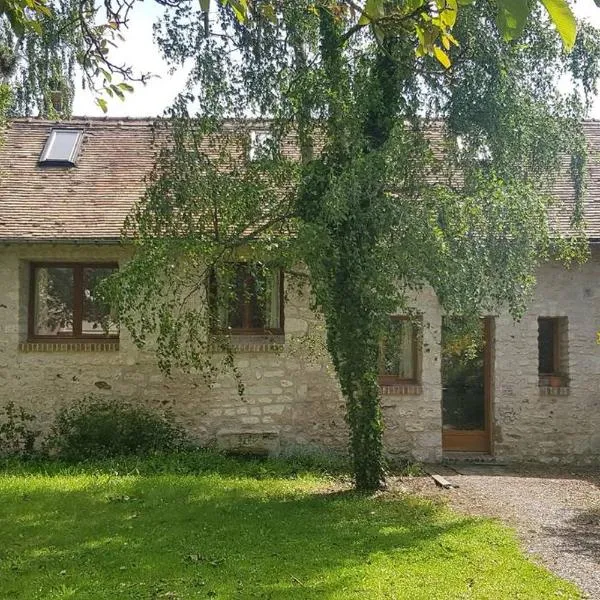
(529, 390)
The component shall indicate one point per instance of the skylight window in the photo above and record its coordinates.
(62, 147)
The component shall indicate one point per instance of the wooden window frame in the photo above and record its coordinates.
(387, 380)
(77, 335)
(239, 331)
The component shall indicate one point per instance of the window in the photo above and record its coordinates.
(62, 147)
(261, 145)
(552, 351)
(248, 299)
(398, 353)
(64, 302)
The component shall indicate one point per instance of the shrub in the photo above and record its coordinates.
(17, 438)
(105, 427)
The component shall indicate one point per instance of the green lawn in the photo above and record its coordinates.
(203, 526)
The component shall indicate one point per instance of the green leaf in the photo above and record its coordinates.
(117, 92)
(126, 87)
(101, 102)
(562, 16)
(269, 13)
(35, 26)
(373, 10)
(511, 18)
(442, 57)
(379, 33)
(448, 11)
(204, 5)
(240, 8)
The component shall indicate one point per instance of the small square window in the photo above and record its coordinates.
(553, 351)
(64, 302)
(62, 147)
(398, 352)
(261, 145)
(247, 298)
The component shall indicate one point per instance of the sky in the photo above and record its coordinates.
(152, 99)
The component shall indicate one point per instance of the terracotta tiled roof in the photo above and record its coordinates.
(561, 212)
(87, 202)
(90, 201)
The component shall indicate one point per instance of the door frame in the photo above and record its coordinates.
(479, 441)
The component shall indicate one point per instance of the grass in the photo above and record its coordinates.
(200, 525)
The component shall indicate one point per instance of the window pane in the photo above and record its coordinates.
(237, 298)
(463, 374)
(546, 346)
(249, 298)
(398, 350)
(95, 318)
(53, 301)
(61, 146)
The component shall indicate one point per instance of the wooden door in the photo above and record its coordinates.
(466, 384)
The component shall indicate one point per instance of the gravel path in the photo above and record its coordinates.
(556, 512)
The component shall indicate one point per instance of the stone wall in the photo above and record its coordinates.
(551, 424)
(289, 394)
(293, 396)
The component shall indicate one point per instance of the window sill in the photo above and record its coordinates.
(69, 346)
(546, 390)
(401, 389)
(254, 347)
(253, 343)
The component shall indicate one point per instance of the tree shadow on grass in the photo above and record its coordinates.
(189, 536)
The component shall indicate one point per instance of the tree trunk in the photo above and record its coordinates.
(366, 437)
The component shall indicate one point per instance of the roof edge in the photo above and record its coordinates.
(9, 241)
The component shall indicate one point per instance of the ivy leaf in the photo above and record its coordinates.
(564, 20)
(373, 10)
(442, 57)
(511, 18)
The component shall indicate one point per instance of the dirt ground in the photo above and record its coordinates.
(556, 512)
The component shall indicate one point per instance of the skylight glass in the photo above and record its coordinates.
(61, 147)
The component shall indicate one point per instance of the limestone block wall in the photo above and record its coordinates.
(291, 393)
(551, 425)
(413, 419)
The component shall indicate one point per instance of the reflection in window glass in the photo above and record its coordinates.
(249, 298)
(67, 302)
(397, 354)
(95, 318)
(53, 301)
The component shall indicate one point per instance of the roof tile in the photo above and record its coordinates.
(89, 202)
